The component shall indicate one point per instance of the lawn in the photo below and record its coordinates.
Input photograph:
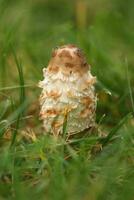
(35, 165)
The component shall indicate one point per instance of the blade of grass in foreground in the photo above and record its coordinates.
(12, 118)
(104, 141)
(4, 105)
(22, 94)
(16, 87)
(129, 86)
(104, 88)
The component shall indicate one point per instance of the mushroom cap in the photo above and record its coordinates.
(68, 59)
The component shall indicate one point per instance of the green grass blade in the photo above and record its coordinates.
(22, 94)
(113, 132)
(129, 86)
(12, 118)
(3, 108)
(16, 87)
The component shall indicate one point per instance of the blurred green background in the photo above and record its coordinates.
(29, 30)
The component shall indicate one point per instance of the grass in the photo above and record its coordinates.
(22, 96)
(37, 166)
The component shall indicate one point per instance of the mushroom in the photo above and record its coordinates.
(67, 92)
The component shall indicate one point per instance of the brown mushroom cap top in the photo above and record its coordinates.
(68, 59)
